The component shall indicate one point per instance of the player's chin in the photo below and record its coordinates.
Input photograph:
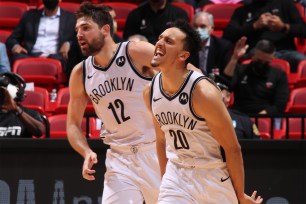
(155, 63)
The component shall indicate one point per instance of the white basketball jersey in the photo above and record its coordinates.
(189, 142)
(116, 92)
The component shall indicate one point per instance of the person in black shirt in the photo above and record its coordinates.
(244, 126)
(275, 20)
(258, 87)
(152, 18)
(16, 120)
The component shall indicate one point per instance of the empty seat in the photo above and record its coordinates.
(122, 10)
(37, 99)
(222, 13)
(62, 101)
(11, 13)
(294, 126)
(301, 75)
(68, 6)
(44, 72)
(58, 126)
(187, 8)
(297, 101)
(4, 34)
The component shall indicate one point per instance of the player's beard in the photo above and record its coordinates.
(94, 47)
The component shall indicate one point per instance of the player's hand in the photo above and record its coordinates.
(89, 161)
(251, 199)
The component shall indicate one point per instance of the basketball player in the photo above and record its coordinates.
(192, 120)
(113, 77)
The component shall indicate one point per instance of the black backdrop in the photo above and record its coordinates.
(47, 171)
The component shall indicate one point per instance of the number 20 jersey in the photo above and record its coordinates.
(189, 142)
(116, 92)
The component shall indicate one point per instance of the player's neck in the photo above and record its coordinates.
(107, 52)
(173, 79)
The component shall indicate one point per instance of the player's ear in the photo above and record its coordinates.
(105, 29)
(184, 55)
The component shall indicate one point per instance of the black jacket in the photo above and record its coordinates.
(27, 30)
(241, 24)
(219, 54)
(255, 93)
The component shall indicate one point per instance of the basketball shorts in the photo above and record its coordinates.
(132, 175)
(181, 185)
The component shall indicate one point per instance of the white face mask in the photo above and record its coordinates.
(12, 90)
(203, 32)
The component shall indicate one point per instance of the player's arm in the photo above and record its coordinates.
(160, 137)
(209, 105)
(76, 107)
(142, 53)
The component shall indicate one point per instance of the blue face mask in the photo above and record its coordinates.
(203, 32)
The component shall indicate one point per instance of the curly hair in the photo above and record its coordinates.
(98, 13)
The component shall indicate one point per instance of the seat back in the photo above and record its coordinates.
(222, 13)
(187, 8)
(58, 126)
(277, 63)
(294, 128)
(43, 72)
(4, 34)
(264, 127)
(11, 13)
(67, 6)
(122, 10)
(37, 99)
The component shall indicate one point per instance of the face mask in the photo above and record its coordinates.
(50, 4)
(259, 68)
(203, 32)
(12, 90)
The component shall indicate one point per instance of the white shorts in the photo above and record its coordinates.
(132, 175)
(196, 186)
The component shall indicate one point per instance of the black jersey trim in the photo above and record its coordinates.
(84, 72)
(152, 88)
(170, 98)
(104, 69)
(191, 95)
(132, 65)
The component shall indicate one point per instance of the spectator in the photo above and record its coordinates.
(215, 52)
(275, 20)
(258, 87)
(244, 127)
(43, 33)
(151, 18)
(16, 120)
(4, 60)
(137, 38)
(116, 37)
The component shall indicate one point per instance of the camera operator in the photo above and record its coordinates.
(16, 120)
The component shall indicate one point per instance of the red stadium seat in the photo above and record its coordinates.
(122, 10)
(294, 128)
(264, 127)
(68, 6)
(4, 34)
(300, 80)
(62, 101)
(58, 126)
(277, 63)
(37, 99)
(222, 13)
(11, 13)
(297, 101)
(44, 72)
(187, 8)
